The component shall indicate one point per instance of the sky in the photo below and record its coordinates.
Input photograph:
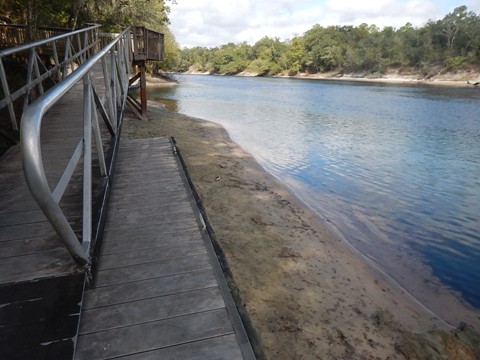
(210, 23)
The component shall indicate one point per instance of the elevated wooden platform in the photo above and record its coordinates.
(29, 247)
(159, 291)
(41, 287)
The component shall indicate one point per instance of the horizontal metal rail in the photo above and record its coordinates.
(52, 58)
(13, 35)
(115, 60)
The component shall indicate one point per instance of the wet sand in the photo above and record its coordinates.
(307, 294)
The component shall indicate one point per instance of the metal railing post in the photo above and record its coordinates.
(6, 90)
(87, 162)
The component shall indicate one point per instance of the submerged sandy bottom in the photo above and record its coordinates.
(306, 293)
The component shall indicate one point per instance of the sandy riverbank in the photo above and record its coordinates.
(461, 78)
(307, 294)
(449, 79)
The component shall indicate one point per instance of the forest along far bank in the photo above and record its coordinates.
(439, 50)
(305, 293)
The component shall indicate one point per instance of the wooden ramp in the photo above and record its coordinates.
(159, 291)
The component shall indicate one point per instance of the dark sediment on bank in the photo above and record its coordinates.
(307, 294)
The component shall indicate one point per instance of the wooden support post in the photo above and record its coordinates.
(139, 107)
(143, 89)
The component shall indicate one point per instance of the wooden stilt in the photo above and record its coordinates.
(143, 89)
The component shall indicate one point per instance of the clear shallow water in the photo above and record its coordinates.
(395, 168)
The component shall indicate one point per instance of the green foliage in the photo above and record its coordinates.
(37, 13)
(231, 58)
(114, 15)
(259, 66)
(294, 58)
(455, 62)
(453, 41)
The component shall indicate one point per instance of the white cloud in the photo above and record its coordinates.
(211, 23)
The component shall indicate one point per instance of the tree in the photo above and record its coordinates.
(231, 58)
(114, 14)
(453, 23)
(295, 59)
(35, 13)
(267, 53)
(453, 41)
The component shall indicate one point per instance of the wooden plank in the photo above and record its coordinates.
(142, 231)
(168, 188)
(146, 144)
(153, 335)
(27, 246)
(150, 254)
(221, 347)
(161, 238)
(152, 270)
(137, 166)
(149, 205)
(121, 293)
(153, 309)
(21, 217)
(163, 197)
(152, 157)
(149, 157)
(175, 197)
(146, 178)
(126, 219)
(43, 228)
(33, 266)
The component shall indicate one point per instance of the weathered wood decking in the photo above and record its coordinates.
(159, 292)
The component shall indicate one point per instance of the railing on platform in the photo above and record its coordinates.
(12, 35)
(116, 59)
(50, 60)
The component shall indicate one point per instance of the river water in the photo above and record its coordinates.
(395, 168)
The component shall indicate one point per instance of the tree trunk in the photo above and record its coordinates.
(31, 23)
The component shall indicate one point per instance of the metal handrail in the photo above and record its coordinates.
(116, 72)
(15, 34)
(77, 47)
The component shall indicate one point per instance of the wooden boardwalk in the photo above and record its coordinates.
(159, 292)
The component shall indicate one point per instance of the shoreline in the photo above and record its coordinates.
(448, 80)
(306, 292)
(427, 292)
(459, 80)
